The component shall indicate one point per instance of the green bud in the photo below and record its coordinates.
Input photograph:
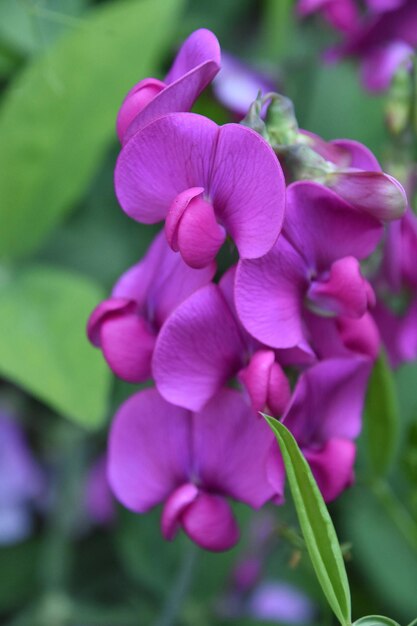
(281, 122)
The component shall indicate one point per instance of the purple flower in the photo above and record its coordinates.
(202, 345)
(277, 601)
(313, 268)
(191, 462)
(205, 181)
(341, 14)
(237, 85)
(21, 482)
(195, 66)
(99, 500)
(325, 417)
(125, 326)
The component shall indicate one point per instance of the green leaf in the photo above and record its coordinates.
(43, 314)
(58, 117)
(316, 525)
(375, 620)
(381, 417)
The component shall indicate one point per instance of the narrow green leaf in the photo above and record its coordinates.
(58, 117)
(316, 525)
(381, 417)
(43, 314)
(375, 620)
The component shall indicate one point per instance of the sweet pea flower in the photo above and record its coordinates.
(195, 66)
(398, 280)
(341, 14)
(202, 346)
(126, 325)
(192, 462)
(237, 85)
(21, 482)
(206, 181)
(313, 268)
(324, 415)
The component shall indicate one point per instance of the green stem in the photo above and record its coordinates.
(276, 27)
(179, 589)
(396, 511)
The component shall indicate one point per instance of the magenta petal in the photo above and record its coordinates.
(360, 157)
(344, 292)
(192, 228)
(374, 193)
(209, 521)
(232, 445)
(323, 227)
(105, 310)
(360, 335)
(269, 296)
(135, 101)
(149, 450)
(195, 66)
(328, 401)
(332, 466)
(170, 155)
(198, 349)
(127, 343)
(248, 190)
(266, 383)
(380, 65)
(175, 506)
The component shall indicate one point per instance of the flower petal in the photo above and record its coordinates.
(209, 521)
(149, 450)
(176, 504)
(231, 446)
(198, 349)
(332, 466)
(195, 66)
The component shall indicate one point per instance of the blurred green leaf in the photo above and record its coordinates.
(57, 118)
(18, 581)
(388, 566)
(316, 525)
(375, 620)
(381, 417)
(43, 314)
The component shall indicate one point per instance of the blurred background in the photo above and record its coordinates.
(69, 556)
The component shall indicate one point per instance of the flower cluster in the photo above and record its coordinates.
(285, 327)
(382, 37)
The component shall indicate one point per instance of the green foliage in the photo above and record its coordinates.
(43, 314)
(382, 417)
(57, 118)
(316, 525)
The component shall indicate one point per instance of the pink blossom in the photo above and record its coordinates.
(206, 181)
(195, 65)
(193, 462)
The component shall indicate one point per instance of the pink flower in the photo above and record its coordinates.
(313, 268)
(192, 462)
(206, 181)
(195, 65)
(125, 326)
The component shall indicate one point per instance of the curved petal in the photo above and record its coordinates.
(173, 153)
(135, 101)
(209, 521)
(176, 504)
(195, 66)
(324, 228)
(231, 446)
(266, 383)
(149, 450)
(332, 466)
(248, 190)
(360, 156)
(328, 401)
(269, 296)
(198, 349)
